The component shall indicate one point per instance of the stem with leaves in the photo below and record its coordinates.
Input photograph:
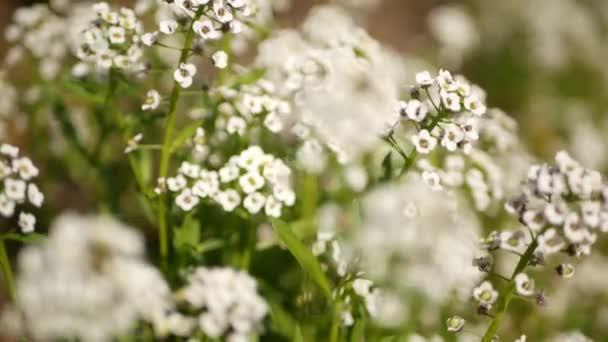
(508, 292)
(166, 149)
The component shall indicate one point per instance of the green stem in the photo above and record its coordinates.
(334, 333)
(166, 150)
(7, 271)
(508, 292)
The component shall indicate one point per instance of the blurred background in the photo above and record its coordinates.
(542, 61)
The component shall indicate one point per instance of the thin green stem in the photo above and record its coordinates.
(508, 292)
(7, 271)
(166, 150)
(334, 333)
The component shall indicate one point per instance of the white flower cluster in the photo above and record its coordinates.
(42, 33)
(228, 301)
(18, 190)
(112, 40)
(241, 108)
(565, 206)
(449, 115)
(96, 289)
(210, 20)
(411, 236)
(330, 54)
(255, 179)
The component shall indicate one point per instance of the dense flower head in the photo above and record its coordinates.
(112, 40)
(256, 180)
(564, 205)
(96, 289)
(19, 193)
(228, 302)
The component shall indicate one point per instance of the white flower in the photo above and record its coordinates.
(251, 158)
(432, 179)
(236, 124)
(524, 285)
(424, 79)
(469, 128)
(220, 59)
(168, 26)
(228, 173)
(555, 212)
(254, 202)
(15, 189)
(550, 242)
(25, 168)
(251, 181)
(473, 104)
(273, 122)
(152, 100)
(446, 81)
(7, 206)
(205, 29)
(574, 229)
(27, 222)
(117, 35)
(424, 142)
(273, 207)
(285, 195)
(455, 323)
(176, 183)
(186, 200)
(208, 185)
(222, 13)
(9, 150)
(451, 101)
(105, 59)
(189, 170)
(237, 3)
(452, 136)
(183, 75)
(522, 338)
(513, 241)
(149, 39)
(34, 195)
(590, 211)
(133, 143)
(415, 110)
(534, 219)
(229, 199)
(485, 293)
(565, 270)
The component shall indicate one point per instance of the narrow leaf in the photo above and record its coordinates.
(303, 255)
(185, 134)
(188, 235)
(25, 238)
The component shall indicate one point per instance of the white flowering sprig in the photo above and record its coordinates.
(444, 111)
(563, 208)
(256, 180)
(112, 40)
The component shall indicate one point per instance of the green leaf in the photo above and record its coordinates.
(188, 235)
(185, 134)
(250, 77)
(303, 255)
(281, 321)
(387, 167)
(358, 331)
(209, 245)
(25, 238)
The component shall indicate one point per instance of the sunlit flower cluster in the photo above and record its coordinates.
(256, 180)
(19, 192)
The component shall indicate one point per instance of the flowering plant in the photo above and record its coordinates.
(197, 172)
